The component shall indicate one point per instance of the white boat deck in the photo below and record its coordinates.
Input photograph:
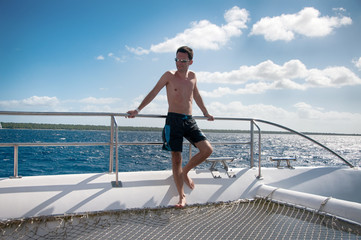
(68, 194)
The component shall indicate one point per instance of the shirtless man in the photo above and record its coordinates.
(181, 86)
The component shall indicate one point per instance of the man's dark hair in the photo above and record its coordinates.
(188, 50)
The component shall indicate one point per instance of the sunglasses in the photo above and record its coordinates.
(181, 60)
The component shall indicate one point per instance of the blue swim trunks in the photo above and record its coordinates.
(178, 126)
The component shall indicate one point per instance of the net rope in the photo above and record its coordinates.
(242, 219)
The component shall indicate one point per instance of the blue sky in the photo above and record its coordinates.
(297, 63)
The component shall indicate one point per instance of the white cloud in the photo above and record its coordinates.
(332, 77)
(203, 34)
(35, 100)
(112, 56)
(44, 101)
(306, 22)
(339, 10)
(237, 109)
(253, 88)
(268, 75)
(93, 104)
(116, 58)
(97, 108)
(34, 103)
(357, 63)
(306, 111)
(138, 50)
(303, 117)
(265, 71)
(100, 57)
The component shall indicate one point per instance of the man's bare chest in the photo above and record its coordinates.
(182, 86)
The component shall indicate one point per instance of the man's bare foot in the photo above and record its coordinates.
(188, 181)
(182, 202)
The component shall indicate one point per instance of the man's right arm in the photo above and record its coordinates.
(151, 95)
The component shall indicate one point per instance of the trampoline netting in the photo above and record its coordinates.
(243, 219)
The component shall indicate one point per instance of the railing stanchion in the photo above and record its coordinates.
(111, 145)
(116, 155)
(259, 151)
(251, 144)
(16, 161)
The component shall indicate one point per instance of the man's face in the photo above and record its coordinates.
(183, 62)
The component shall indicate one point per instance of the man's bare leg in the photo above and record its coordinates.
(205, 150)
(178, 177)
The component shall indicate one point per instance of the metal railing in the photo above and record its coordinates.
(16, 145)
(113, 142)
